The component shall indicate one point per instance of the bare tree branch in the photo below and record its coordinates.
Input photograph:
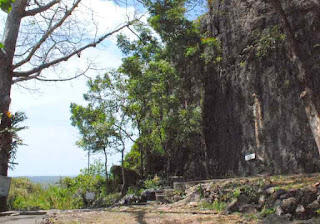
(31, 90)
(63, 80)
(37, 77)
(25, 78)
(47, 34)
(40, 9)
(67, 57)
(135, 33)
(125, 132)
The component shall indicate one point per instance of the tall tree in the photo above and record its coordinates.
(161, 84)
(104, 122)
(95, 129)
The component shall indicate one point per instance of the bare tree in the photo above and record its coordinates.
(39, 35)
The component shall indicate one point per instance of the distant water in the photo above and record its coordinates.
(44, 180)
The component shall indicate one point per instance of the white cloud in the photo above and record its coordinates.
(50, 138)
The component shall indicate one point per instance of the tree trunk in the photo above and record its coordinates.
(124, 182)
(5, 124)
(105, 163)
(88, 161)
(141, 160)
(5, 147)
(141, 153)
(10, 36)
(140, 147)
(168, 168)
(106, 169)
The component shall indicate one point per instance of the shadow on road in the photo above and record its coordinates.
(140, 217)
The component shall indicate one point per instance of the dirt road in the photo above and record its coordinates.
(22, 219)
(145, 215)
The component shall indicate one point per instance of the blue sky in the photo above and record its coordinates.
(50, 138)
(50, 148)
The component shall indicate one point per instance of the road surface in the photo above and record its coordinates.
(21, 219)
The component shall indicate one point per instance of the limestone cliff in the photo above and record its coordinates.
(252, 89)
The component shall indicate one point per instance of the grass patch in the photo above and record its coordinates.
(216, 205)
(267, 211)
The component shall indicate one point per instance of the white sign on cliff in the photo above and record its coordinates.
(4, 186)
(250, 157)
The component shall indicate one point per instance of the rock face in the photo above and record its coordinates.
(251, 89)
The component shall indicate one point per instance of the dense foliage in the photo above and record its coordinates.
(68, 193)
(156, 91)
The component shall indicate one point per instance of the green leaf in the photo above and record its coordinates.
(5, 5)
(1, 45)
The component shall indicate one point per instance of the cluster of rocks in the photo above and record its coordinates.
(301, 203)
(167, 195)
(146, 195)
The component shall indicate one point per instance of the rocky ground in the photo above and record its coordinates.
(278, 199)
(147, 214)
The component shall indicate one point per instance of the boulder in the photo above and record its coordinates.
(130, 199)
(177, 198)
(279, 193)
(148, 195)
(232, 206)
(249, 208)
(277, 203)
(289, 194)
(300, 209)
(262, 200)
(308, 197)
(313, 206)
(289, 205)
(270, 190)
(279, 211)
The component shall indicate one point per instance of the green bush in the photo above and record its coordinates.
(69, 194)
(154, 183)
(25, 195)
(132, 159)
(134, 190)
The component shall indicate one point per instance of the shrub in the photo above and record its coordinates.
(154, 183)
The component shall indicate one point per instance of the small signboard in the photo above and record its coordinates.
(90, 195)
(5, 183)
(250, 157)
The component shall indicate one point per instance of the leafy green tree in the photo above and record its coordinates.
(16, 127)
(164, 83)
(103, 123)
(95, 128)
